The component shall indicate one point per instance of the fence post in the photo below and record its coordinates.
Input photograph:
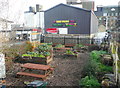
(64, 40)
(78, 40)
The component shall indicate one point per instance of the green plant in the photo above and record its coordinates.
(94, 65)
(77, 46)
(50, 43)
(36, 54)
(70, 52)
(59, 46)
(46, 54)
(91, 68)
(104, 68)
(89, 82)
(28, 55)
(42, 48)
(95, 55)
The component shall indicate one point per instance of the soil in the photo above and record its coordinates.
(67, 71)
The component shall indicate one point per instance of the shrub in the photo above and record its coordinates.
(104, 68)
(16, 50)
(94, 65)
(95, 55)
(89, 82)
(91, 68)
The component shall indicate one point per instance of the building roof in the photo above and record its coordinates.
(61, 4)
(110, 6)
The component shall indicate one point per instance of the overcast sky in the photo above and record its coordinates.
(17, 7)
(49, 3)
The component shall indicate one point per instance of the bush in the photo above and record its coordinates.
(91, 68)
(104, 68)
(95, 55)
(94, 65)
(89, 82)
(16, 50)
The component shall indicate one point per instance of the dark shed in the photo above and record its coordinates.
(73, 19)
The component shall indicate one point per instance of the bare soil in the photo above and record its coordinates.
(67, 71)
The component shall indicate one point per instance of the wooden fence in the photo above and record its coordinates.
(67, 39)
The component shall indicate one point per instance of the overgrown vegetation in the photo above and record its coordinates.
(89, 82)
(95, 67)
(16, 50)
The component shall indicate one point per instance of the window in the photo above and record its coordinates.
(105, 14)
(112, 14)
(116, 14)
(100, 19)
(108, 14)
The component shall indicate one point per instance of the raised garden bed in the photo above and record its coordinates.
(70, 56)
(63, 49)
(38, 60)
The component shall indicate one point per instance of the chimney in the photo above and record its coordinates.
(31, 9)
(37, 7)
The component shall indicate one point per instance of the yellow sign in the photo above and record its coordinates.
(62, 21)
(35, 33)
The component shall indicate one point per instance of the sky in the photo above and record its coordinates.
(18, 7)
(50, 3)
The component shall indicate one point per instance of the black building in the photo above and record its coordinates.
(71, 20)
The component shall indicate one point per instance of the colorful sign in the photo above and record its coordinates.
(52, 30)
(66, 23)
(38, 30)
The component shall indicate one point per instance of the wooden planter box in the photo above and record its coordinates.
(63, 49)
(81, 49)
(38, 60)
